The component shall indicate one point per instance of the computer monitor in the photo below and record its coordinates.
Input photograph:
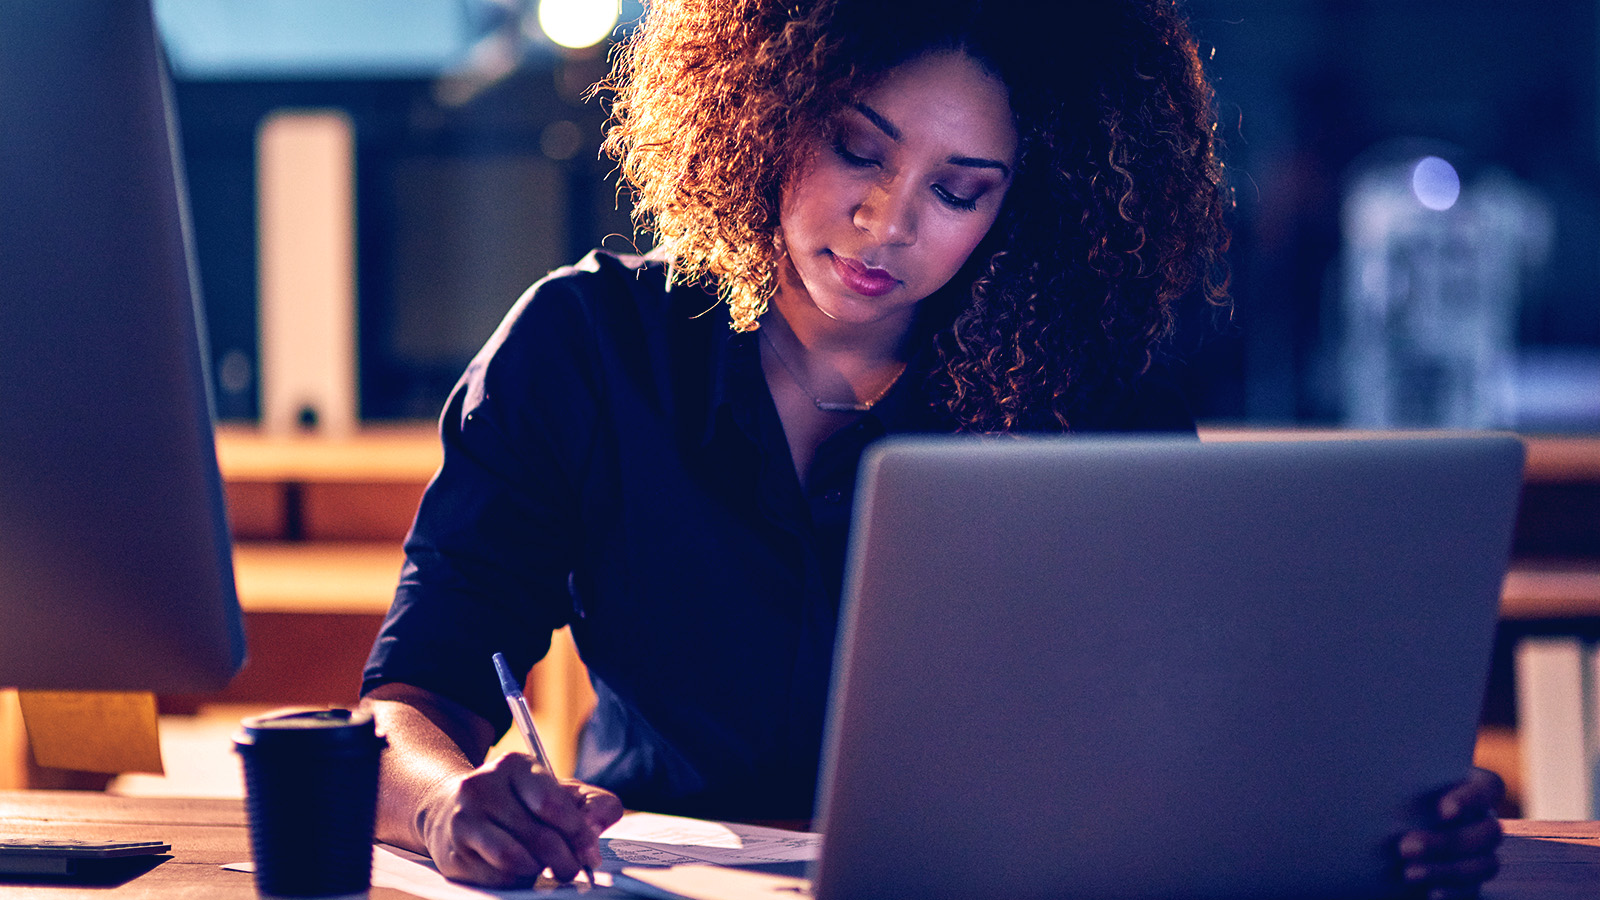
(115, 561)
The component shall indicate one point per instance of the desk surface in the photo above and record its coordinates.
(1542, 860)
(204, 834)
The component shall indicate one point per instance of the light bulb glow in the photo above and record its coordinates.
(1435, 183)
(578, 23)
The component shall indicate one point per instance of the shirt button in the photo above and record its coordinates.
(833, 497)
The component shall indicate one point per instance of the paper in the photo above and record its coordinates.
(654, 839)
(93, 731)
(705, 882)
(640, 839)
(417, 875)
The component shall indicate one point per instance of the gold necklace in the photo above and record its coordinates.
(830, 405)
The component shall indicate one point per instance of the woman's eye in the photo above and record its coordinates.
(854, 159)
(954, 200)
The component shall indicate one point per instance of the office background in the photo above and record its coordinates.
(475, 171)
(1421, 165)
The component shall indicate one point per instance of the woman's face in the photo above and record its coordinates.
(890, 208)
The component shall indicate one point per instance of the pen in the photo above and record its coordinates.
(524, 720)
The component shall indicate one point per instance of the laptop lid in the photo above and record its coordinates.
(1142, 667)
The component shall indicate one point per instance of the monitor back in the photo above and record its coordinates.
(115, 562)
(1152, 668)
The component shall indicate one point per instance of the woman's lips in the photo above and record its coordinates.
(868, 282)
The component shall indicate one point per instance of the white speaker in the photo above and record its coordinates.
(306, 229)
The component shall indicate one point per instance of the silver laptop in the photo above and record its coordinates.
(1152, 668)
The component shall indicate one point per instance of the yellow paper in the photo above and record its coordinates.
(93, 731)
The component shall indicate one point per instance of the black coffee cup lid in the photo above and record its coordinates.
(308, 728)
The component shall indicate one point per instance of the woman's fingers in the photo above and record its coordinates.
(475, 850)
(506, 822)
(1455, 878)
(1474, 839)
(1457, 854)
(552, 822)
(1477, 796)
(602, 807)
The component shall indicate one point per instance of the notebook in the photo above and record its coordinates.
(1149, 668)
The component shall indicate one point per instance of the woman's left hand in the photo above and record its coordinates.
(1458, 854)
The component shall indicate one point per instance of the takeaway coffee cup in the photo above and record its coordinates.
(311, 789)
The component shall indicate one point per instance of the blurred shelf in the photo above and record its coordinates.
(410, 453)
(1551, 458)
(1563, 459)
(406, 453)
(317, 577)
(364, 487)
(1551, 590)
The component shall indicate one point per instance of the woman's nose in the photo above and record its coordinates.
(888, 213)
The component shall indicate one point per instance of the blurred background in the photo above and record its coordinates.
(1417, 236)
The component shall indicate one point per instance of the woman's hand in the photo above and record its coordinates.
(504, 822)
(1457, 854)
(495, 823)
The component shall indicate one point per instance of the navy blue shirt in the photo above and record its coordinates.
(614, 461)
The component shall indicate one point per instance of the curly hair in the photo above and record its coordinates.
(1115, 213)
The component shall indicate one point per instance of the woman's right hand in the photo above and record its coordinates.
(504, 822)
(498, 822)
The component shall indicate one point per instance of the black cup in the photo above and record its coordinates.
(311, 788)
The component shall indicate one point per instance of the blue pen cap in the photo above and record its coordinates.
(508, 682)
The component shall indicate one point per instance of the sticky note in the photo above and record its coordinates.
(93, 731)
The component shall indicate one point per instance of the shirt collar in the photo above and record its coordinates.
(735, 364)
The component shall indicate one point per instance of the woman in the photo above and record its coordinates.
(960, 216)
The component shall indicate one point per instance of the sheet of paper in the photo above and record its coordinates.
(640, 839)
(704, 882)
(654, 839)
(417, 875)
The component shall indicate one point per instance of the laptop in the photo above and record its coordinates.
(1155, 668)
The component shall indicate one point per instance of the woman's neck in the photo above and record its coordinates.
(852, 348)
(833, 360)
(822, 373)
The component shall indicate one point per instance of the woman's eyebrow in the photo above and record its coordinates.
(888, 128)
(978, 162)
(876, 118)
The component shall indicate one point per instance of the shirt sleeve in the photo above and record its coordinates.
(496, 534)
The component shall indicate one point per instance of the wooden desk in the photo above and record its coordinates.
(205, 835)
(1542, 861)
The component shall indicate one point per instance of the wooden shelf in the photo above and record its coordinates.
(318, 577)
(1552, 590)
(301, 488)
(1563, 459)
(1550, 458)
(408, 453)
(359, 578)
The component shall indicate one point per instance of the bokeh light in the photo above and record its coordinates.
(1436, 183)
(578, 23)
